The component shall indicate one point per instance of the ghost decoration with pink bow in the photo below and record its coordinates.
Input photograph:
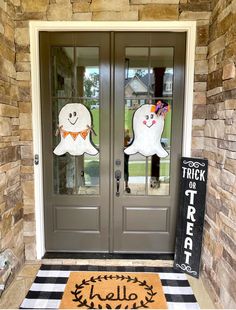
(148, 125)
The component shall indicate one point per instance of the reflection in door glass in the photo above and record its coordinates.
(161, 71)
(76, 80)
(87, 72)
(136, 74)
(148, 78)
(62, 71)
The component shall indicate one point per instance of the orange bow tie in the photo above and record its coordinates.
(74, 135)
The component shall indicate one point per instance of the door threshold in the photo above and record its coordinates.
(73, 255)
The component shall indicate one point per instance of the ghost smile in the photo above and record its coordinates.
(74, 121)
(149, 125)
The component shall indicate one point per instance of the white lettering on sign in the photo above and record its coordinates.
(191, 210)
(192, 185)
(188, 243)
(190, 213)
(189, 229)
(194, 174)
(191, 193)
(187, 254)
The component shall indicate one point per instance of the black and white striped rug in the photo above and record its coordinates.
(48, 287)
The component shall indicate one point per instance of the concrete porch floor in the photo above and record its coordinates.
(16, 292)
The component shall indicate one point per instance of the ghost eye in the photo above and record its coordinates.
(74, 113)
(147, 116)
(152, 115)
(70, 115)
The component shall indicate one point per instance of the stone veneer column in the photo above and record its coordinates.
(11, 204)
(219, 251)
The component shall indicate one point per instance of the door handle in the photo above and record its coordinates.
(117, 177)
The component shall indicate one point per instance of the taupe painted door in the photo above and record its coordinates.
(75, 68)
(111, 202)
(149, 68)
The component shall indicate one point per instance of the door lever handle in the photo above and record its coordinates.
(117, 177)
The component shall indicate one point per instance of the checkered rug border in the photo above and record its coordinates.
(48, 287)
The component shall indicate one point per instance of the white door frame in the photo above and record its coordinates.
(36, 26)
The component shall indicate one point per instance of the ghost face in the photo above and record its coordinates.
(150, 120)
(74, 117)
(145, 120)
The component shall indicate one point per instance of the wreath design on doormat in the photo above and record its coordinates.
(83, 302)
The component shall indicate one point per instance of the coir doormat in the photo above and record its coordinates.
(109, 287)
(113, 290)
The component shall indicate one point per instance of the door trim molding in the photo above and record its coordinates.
(156, 26)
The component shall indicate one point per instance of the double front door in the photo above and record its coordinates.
(105, 200)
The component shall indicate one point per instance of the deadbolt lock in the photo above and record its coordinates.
(118, 162)
(36, 159)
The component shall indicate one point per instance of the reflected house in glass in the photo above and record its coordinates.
(168, 83)
(137, 88)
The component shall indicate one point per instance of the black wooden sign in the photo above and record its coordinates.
(191, 215)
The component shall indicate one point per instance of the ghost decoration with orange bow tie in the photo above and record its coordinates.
(75, 130)
(148, 125)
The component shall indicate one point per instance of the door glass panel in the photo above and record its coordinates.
(94, 108)
(62, 71)
(136, 90)
(148, 79)
(136, 74)
(87, 72)
(134, 174)
(161, 71)
(77, 174)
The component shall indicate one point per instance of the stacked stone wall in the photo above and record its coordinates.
(219, 251)
(11, 199)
